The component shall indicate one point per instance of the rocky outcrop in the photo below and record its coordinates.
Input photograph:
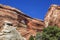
(53, 16)
(26, 25)
(10, 33)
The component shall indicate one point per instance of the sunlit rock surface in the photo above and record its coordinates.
(10, 33)
(26, 25)
(53, 16)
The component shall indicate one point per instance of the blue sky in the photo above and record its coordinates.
(33, 8)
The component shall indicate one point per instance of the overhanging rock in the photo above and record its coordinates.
(26, 25)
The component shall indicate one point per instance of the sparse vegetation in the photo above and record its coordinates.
(31, 38)
(49, 33)
(38, 36)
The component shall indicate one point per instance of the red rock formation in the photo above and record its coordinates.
(36, 24)
(53, 16)
(33, 26)
(26, 25)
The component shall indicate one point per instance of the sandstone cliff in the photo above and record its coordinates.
(26, 25)
(53, 17)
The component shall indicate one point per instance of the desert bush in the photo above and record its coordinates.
(38, 36)
(31, 38)
(49, 33)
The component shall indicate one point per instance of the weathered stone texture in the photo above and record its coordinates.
(26, 25)
(53, 16)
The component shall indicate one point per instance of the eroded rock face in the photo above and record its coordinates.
(53, 16)
(33, 26)
(10, 33)
(26, 25)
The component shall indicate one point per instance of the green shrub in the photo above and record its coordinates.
(38, 36)
(51, 33)
(31, 38)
